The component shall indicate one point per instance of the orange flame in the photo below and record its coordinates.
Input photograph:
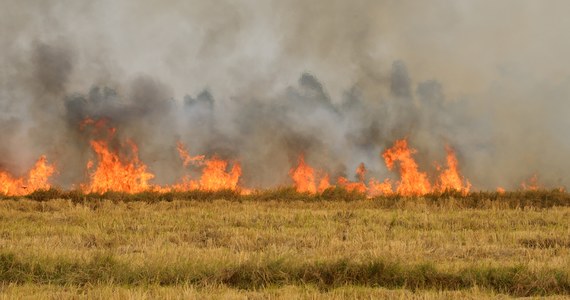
(352, 186)
(412, 182)
(324, 183)
(11, 186)
(303, 176)
(376, 188)
(36, 179)
(306, 178)
(214, 173)
(358, 186)
(115, 172)
(186, 158)
(450, 179)
(531, 184)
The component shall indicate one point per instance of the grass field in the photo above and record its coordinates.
(285, 245)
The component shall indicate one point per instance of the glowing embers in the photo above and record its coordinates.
(36, 179)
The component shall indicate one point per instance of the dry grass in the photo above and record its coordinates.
(222, 292)
(260, 247)
(514, 199)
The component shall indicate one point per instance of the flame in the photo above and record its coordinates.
(501, 190)
(358, 186)
(376, 188)
(117, 167)
(115, 172)
(306, 178)
(324, 183)
(531, 184)
(36, 179)
(186, 158)
(352, 186)
(450, 179)
(214, 173)
(10, 185)
(303, 176)
(412, 182)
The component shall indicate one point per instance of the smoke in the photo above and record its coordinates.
(262, 82)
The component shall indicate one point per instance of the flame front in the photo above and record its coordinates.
(117, 167)
(36, 179)
(412, 182)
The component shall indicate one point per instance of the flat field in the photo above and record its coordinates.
(279, 248)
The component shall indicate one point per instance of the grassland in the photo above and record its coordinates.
(280, 244)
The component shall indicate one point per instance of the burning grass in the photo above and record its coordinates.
(118, 170)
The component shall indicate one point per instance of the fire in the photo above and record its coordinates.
(10, 185)
(215, 175)
(324, 183)
(186, 158)
(117, 167)
(358, 186)
(412, 182)
(36, 179)
(352, 186)
(450, 179)
(531, 184)
(303, 176)
(115, 172)
(306, 178)
(376, 188)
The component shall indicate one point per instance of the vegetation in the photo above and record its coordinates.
(481, 199)
(281, 244)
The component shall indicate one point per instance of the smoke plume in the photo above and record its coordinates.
(261, 82)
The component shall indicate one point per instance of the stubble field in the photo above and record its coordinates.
(278, 248)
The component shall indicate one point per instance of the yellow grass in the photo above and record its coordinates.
(206, 240)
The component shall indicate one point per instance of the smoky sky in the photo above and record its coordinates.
(260, 82)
